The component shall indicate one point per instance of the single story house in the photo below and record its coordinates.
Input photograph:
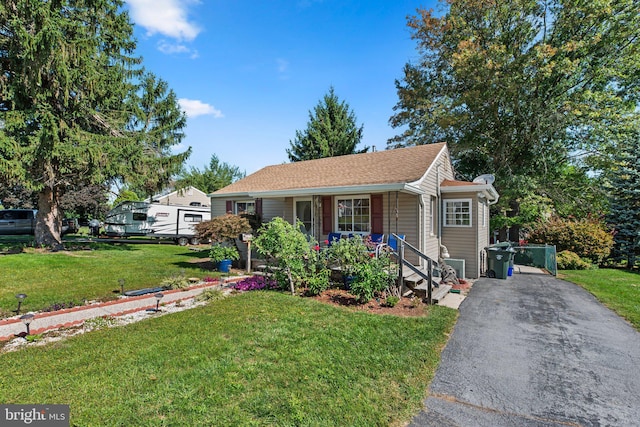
(407, 191)
(189, 196)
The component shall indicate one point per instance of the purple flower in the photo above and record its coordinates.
(255, 283)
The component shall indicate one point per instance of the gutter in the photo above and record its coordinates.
(326, 191)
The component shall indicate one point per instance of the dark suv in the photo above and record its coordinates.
(23, 221)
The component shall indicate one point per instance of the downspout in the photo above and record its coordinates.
(421, 228)
(440, 205)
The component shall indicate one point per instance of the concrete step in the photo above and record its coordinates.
(436, 293)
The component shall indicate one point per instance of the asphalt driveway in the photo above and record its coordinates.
(533, 350)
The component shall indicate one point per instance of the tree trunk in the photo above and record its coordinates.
(48, 220)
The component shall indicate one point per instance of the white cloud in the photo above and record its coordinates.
(173, 48)
(195, 108)
(166, 17)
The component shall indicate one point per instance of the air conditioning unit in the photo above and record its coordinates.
(458, 266)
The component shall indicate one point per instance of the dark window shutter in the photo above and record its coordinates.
(229, 206)
(327, 223)
(259, 207)
(377, 214)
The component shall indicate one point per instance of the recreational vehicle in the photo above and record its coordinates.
(154, 220)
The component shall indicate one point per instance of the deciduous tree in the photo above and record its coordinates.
(212, 177)
(521, 88)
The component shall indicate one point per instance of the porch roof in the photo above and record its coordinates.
(390, 170)
(453, 186)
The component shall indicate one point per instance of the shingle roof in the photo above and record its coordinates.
(401, 165)
(452, 183)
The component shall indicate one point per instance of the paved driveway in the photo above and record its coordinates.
(533, 350)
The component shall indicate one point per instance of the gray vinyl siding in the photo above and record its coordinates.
(218, 207)
(464, 242)
(272, 208)
(439, 171)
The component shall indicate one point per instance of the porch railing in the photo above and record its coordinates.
(402, 262)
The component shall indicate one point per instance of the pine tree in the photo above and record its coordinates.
(68, 115)
(624, 215)
(331, 131)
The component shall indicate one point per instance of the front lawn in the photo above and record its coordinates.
(617, 289)
(52, 278)
(260, 358)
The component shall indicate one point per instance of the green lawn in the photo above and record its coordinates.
(260, 358)
(617, 289)
(53, 278)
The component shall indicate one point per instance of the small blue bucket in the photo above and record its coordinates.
(510, 271)
(224, 266)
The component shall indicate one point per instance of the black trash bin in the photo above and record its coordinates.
(499, 260)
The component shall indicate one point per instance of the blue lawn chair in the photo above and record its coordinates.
(393, 242)
(333, 237)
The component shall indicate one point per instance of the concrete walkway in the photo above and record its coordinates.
(533, 350)
(43, 322)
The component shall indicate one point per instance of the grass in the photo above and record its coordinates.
(617, 289)
(62, 277)
(260, 358)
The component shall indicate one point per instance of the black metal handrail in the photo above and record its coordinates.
(428, 276)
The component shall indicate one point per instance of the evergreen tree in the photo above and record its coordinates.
(67, 105)
(213, 177)
(331, 131)
(157, 123)
(624, 216)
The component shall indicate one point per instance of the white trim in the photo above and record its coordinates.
(488, 189)
(323, 191)
(447, 201)
(336, 212)
(247, 201)
(434, 163)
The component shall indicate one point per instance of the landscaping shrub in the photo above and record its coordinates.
(224, 228)
(318, 282)
(372, 278)
(588, 238)
(567, 260)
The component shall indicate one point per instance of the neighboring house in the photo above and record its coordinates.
(189, 196)
(407, 191)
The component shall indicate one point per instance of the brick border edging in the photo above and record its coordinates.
(41, 315)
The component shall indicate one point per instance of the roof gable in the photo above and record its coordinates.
(401, 165)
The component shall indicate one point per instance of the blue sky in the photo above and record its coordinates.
(247, 72)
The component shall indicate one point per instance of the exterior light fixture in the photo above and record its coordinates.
(27, 319)
(158, 296)
(20, 298)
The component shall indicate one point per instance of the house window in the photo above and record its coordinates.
(246, 208)
(457, 213)
(432, 215)
(192, 217)
(353, 214)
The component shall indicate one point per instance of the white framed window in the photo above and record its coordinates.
(245, 207)
(353, 214)
(457, 213)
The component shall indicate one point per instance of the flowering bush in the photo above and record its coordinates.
(255, 283)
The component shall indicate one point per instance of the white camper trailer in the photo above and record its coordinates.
(155, 220)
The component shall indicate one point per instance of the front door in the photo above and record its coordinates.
(304, 213)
